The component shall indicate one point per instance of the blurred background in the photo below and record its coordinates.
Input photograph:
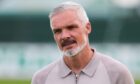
(27, 44)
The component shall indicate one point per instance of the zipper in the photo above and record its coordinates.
(76, 78)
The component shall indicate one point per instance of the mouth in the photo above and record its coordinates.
(68, 42)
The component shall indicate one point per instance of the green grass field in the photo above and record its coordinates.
(29, 82)
(137, 81)
(15, 82)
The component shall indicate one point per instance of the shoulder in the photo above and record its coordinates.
(111, 64)
(117, 71)
(40, 76)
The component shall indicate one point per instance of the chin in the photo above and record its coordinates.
(71, 52)
(74, 51)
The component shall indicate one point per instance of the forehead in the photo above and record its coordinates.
(64, 18)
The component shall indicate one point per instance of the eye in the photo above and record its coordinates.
(71, 27)
(57, 31)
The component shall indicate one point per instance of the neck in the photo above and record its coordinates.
(78, 62)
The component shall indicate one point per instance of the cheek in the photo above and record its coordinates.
(57, 40)
(80, 37)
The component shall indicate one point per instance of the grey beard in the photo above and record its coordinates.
(75, 51)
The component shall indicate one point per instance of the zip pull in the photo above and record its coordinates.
(77, 77)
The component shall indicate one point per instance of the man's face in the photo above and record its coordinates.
(69, 32)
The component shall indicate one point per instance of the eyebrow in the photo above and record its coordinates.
(67, 26)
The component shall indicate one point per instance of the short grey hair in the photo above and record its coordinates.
(71, 5)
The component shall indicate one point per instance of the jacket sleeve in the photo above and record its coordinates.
(125, 77)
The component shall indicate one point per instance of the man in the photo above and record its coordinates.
(80, 63)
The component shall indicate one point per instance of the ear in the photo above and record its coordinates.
(88, 28)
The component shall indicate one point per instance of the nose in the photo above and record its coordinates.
(65, 34)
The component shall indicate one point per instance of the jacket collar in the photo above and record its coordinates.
(89, 69)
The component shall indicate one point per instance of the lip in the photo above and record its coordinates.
(68, 42)
(69, 46)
